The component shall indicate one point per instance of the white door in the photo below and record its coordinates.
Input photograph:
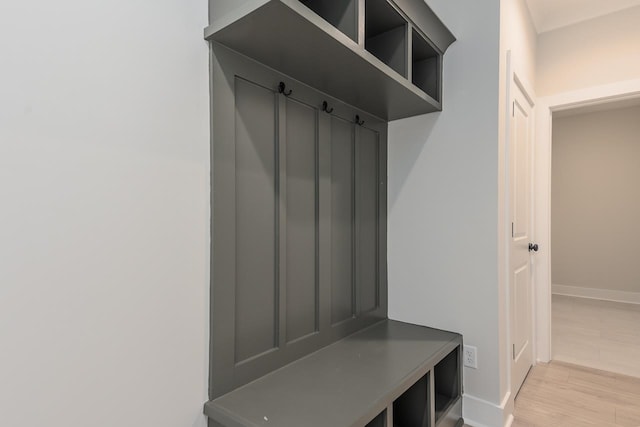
(520, 203)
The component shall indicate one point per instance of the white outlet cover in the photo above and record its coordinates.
(470, 356)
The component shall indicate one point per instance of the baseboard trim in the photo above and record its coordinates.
(481, 413)
(510, 420)
(601, 294)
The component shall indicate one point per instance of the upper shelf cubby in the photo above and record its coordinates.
(425, 63)
(386, 34)
(342, 14)
(381, 56)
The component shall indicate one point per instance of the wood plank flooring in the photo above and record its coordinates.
(561, 394)
(599, 334)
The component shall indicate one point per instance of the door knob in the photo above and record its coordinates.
(533, 247)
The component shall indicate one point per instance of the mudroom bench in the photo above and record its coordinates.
(391, 374)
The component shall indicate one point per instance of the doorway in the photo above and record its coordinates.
(595, 204)
(547, 106)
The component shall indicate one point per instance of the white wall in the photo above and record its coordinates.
(518, 35)
(595, 203)
(591, 53)
(443, 200)
(104, 219)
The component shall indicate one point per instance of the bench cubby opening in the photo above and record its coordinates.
(412, 408)
(379, 421)
(447, 383)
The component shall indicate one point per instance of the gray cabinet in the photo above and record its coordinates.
(299, 221)
(301, 92)
(381, 56)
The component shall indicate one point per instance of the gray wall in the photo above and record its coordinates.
(443, 200)
(595, 204)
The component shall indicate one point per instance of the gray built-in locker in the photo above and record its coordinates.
(301, 93)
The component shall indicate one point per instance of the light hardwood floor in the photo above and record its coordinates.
(561, 394)
(598, 334)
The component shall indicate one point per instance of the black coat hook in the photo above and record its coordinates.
(325, 108)
(282, 88)
(358, 121)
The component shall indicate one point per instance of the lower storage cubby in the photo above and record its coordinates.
(412, 408)
(379, 421)
(447, 383)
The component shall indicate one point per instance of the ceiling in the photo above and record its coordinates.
(551, 14)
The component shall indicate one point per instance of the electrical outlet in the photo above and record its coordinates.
(470, 356)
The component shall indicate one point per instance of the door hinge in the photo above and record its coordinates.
(513, 109)
(513, 233)
(513, 352)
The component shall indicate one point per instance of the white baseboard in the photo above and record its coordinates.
(510, 420)
(481, 413)
(601, 294)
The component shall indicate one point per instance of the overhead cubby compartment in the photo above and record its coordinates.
(342, 14)
(354, 50)
(425, 63)
(386, 34)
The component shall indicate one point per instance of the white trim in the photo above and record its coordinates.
(510, 420)
(481, 413)
(595, 95)
(601, 294)
(547, 105)
(507, 405)
(525, 88)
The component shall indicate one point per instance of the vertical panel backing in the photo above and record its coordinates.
(301, 227)
(342, 161)
(367, 219)
(284, 238)
(255, 220)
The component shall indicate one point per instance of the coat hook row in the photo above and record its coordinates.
(282, 88)
(325, 107)
(358, 121)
